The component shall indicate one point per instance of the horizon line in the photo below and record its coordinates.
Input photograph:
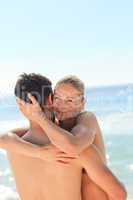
(9, 91)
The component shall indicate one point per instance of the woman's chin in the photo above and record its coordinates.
(62, 116)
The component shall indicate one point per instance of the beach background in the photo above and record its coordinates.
(90, 39)
(113, 106)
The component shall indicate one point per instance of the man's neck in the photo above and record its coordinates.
(36, 130)
(36, 135)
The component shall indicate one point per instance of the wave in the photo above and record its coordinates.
(117, 123)
(130, 167)
(7, 193)
(3, 152)
(11, 124)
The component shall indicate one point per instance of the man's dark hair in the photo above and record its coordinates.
(37, 85)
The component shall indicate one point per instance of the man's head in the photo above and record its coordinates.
(68, 98)
(37, 85)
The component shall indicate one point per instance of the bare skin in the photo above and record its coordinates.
(47, 180)
(93, 156)
(98, 154)
(66, 177)
(89, 188)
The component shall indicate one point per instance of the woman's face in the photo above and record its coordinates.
(67, 101)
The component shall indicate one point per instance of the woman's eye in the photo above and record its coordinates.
(56, 98)
(70, 100)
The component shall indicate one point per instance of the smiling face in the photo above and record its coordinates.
(67, 101)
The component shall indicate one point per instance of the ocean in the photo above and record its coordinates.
(113, 106)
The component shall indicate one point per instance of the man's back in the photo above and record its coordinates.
(25, 173)
(41, 180)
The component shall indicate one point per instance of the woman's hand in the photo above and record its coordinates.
(31, 111)
(51, 153)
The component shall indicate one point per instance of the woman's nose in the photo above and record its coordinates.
(60, 104)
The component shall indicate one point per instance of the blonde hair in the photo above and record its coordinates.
(74, 81)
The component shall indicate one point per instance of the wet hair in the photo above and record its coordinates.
(74, 81)
(37, 85)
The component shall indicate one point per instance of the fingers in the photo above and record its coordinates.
(20, 101)
(64, 160)
(65, 157)
(63, 154)
(32, 98)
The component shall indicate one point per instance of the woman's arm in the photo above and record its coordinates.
(101, 175)
(74, 142)
(13, 143)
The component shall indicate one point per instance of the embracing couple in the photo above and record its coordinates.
(61, 156)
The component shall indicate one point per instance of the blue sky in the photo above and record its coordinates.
(91, 39)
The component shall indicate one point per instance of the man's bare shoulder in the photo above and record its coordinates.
(6, 139)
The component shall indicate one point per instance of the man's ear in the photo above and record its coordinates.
(50, 99)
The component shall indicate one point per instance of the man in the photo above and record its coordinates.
(71, 145)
